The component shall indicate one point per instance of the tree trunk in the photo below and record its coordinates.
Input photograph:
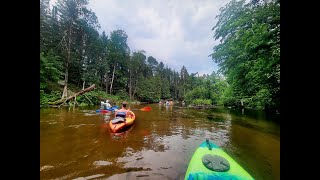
(175, 89)
(114, 69)
(62, 101)
(130, 85)
(107, 80)
(75, 101)
(83, 57)
(135, 88)
(101, 81)
(65, 89)
(88, 99)
(106, 87)
(84, 82)
(184, 90)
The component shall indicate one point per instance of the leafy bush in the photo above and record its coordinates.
(50, 68)
(227, 98)
(261, 99)
(97, 96)
(202, 102)
(197, 93)
(45, 98)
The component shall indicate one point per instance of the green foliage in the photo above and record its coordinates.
(43, 85)
(118, 53)
(83, 104)
(196, 93)
(89, 98)
(148, 91)
(209, 87)
(122, 95)
(51, 97)
(152, 63)
(201, 102)
(97, 96)
(261, 99)
(227, 98)
(248, 54)
(165, 89)
(50, 68)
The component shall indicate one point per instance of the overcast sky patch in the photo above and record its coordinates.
(175, 32)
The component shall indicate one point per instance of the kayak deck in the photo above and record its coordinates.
(197, 167)
(119, 126)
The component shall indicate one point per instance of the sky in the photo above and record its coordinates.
(176, 32)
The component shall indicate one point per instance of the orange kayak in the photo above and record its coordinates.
(119, 126)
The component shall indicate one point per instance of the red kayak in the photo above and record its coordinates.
(102, 111)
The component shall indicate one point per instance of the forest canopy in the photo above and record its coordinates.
(74, 56)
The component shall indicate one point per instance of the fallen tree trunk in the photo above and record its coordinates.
(62, 101)
(88, 98)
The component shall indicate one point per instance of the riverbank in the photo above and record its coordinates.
(54, 91)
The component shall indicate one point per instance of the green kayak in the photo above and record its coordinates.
(211, 162)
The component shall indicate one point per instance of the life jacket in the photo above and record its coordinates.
(121, 114)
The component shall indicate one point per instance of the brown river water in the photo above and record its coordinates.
(76, 143)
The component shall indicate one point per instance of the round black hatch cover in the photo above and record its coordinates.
(215, 163)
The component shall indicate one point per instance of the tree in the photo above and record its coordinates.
(136, 65)
(44, 24)
(118, 53)
(249, 49)
(104, 61)
(50, 69)
(69, 12)
(184, 78)
(72, 49)
(152, 63)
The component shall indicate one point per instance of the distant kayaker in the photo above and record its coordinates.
(108, 105)
(105, 105)
(101, 105)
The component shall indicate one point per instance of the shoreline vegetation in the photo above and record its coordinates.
(74, 56)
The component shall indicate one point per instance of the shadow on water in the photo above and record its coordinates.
(77, 143)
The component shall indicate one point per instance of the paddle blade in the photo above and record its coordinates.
(147, 108)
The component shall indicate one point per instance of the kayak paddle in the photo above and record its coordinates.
(147, 108)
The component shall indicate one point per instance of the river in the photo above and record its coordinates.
(76, 143)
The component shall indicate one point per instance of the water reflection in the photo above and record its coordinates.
(107, 117)
(167, 108)
(159, 144)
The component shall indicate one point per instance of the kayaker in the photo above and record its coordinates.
(101, 105)
(107, 104)
(123, 111)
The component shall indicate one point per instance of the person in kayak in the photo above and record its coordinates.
(123, 112)
(101, 105)
(107, 104)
